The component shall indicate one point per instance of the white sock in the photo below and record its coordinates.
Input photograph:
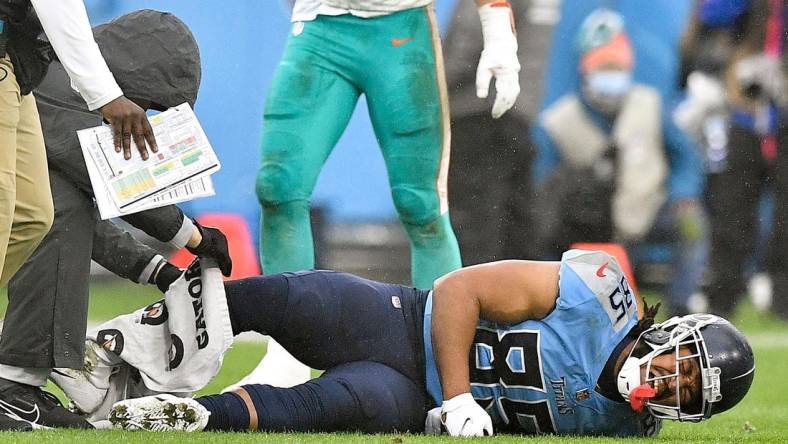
(277, 368)
(36, 377)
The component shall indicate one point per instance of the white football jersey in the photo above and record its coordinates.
(377, 5)
(306, 10)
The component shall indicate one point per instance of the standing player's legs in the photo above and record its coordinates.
(490, 199)
(778, 247)
(24, 371)
(408, 104)
(10, 105)
(11, 116)
(34, 211)
(733, 197)
(690, 242)
(26, 215)
(307, 108)
(50, 291)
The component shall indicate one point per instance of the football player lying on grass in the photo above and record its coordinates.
(505, 347)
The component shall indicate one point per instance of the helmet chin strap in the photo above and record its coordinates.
(629, 384)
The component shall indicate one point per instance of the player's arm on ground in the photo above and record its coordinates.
(506, 292)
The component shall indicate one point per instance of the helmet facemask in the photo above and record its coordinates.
(681, 337)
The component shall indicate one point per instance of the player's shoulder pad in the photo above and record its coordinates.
(587, 274)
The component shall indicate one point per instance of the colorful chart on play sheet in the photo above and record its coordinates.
(179, 171)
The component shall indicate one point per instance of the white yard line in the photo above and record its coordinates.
(768, 340)
(251, 338)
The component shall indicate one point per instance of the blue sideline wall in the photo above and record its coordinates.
(240, 43)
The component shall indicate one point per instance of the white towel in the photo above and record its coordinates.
(175, 345)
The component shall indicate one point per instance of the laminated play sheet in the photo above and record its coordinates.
(178, 172)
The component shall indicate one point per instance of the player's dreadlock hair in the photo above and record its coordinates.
(649, 313)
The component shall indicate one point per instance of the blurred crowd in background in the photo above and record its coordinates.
(657, 127)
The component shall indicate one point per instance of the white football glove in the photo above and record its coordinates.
(462, 416)
(499, 57)
(766, 72)
(432, 425)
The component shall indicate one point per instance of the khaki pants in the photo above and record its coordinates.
(26, 209)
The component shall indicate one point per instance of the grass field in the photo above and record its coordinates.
(761, 417)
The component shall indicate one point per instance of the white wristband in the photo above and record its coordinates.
(461, 399)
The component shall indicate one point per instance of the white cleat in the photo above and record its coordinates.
(159, 413)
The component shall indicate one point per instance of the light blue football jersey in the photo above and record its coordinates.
(539, 376)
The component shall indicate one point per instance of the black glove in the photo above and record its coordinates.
(165, 276)
(214, 245)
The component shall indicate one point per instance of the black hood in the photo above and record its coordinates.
(153, 56)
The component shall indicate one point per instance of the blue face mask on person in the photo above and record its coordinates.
(609, 83)
(605, 89)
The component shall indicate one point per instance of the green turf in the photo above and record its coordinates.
(761, 417)
(111, 298)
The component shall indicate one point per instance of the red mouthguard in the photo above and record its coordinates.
(639, 395)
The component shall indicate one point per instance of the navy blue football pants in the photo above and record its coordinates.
(366, 335)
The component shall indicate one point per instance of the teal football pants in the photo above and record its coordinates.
(396, 62)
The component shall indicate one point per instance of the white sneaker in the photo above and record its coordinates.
(86, 387)
(761, 291)
(698, 303)
(159, 413)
